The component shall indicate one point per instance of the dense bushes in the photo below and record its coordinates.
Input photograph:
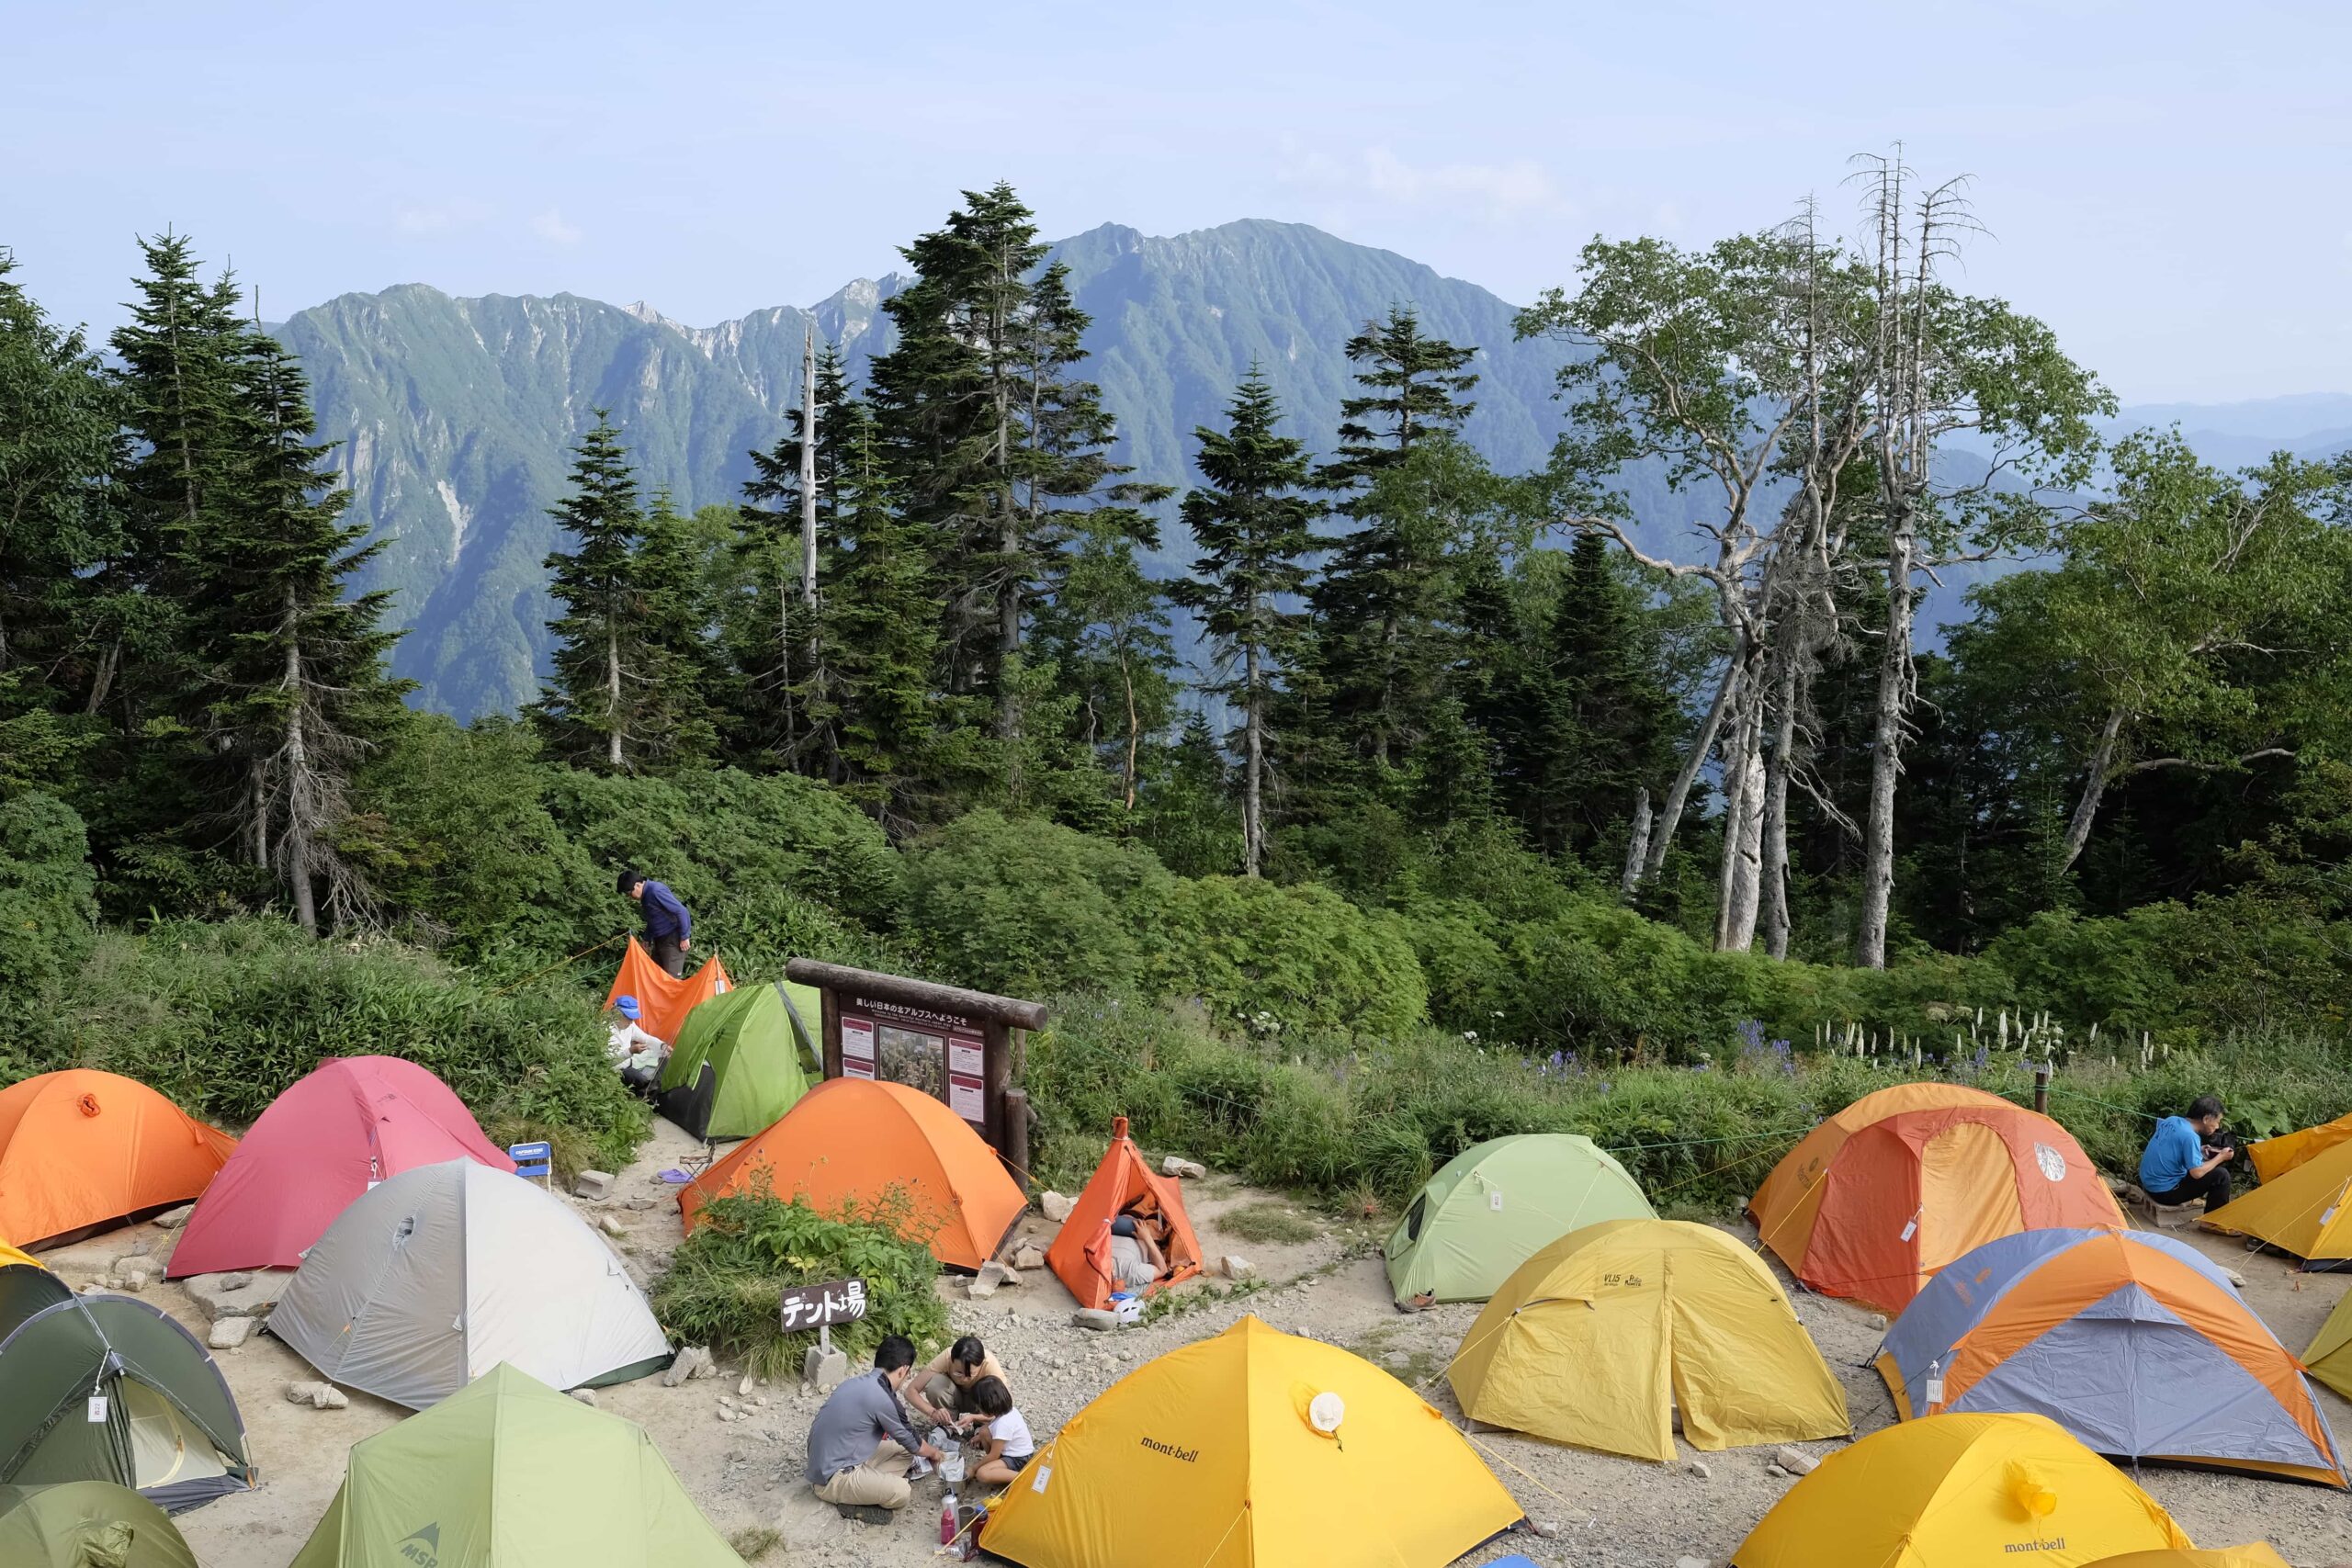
(721, 1287)
(222, 1017)
(1303, 956)
(49, 907)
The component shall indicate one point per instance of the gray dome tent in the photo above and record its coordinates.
(167, 1425)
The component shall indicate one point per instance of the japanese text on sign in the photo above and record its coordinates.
(821, 1306)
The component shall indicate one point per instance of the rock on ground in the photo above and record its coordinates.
(691, 1361)
(231, 1333)
(173, 1219)
(239, 1294)
(1054, 1206)
(1796, 1462)
(317, 1395)
(593, 1185)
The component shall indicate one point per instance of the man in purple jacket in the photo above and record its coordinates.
(669, 930)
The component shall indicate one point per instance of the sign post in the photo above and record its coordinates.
(803, 1307)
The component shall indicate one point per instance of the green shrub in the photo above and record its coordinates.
(722, 1286)
(222, 1017)
(49, 905)
(1301, 954)
(1027, 907)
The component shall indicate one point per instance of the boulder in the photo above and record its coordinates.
(992, 1276)
(691, 1361)
(610, 1226)
(317, 1395)
(1176, 1165)
(239, 1294)
(594, 1185)
(1094, 1317)
(1698, 1467)
(1234, 1267)
(231, 1333)
(1056, 1208)
(1796, 1462)
(586, 1397)
(1028, 1257)
(173, 1219)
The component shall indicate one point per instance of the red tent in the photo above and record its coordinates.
(1082, 1252)
(327, 1139)
(663, 1002)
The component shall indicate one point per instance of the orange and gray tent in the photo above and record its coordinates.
(663, 1002)
(1959, 1492)
(2305, 1210)
(1082, 1252)
(2257, 1555)
(2131, 1340)
(2274, 1157)
(1879, 1197)
(1601, 1337)
(82, 1150)
(882, 1150)
(1250, 1448)
(106, 1388)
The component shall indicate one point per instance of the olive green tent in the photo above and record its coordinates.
(106, 1388)
(508, 1473)
(1495, 1205)
(86, 1524)
(742, 1059)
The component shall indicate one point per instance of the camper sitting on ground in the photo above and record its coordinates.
(2185, 1159)
(942, 1392)
(860, 1447)
(636, 1053)
(1135, 1259)
(1007, 1446)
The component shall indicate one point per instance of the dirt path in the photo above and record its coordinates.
(1611, 1512)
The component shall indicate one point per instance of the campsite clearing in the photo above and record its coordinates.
(1612, 1512)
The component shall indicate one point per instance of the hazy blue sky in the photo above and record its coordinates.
(2169, 184)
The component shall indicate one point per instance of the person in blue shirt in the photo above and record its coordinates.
(669, 930)
(2187, 1158)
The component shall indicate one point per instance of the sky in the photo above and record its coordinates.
(2169, 184)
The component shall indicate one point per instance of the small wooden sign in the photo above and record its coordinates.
(803, 1307)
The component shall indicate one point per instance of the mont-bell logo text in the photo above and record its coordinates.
(423, 1548)
(1189, 1456)
(2056, 1543)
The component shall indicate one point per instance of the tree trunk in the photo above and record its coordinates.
(1636, 846)
(1886, 744)
(1743, 820)
(1678, 792)
(299, 791)
(1773, 858)
(1254, 825)
(2078, 826)
(809, 416)
(1134, 724)
(613, 697)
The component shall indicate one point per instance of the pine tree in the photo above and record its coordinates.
(1254, 528)
(624, 689)
(1380, 597)
(758, 627)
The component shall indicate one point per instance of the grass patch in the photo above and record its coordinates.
(722, 1284)
(1268, 1222)
(755, 1542)
(1415, 1366)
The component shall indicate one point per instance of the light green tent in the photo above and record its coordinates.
(508, 1473)
(742, 1059)
(1494, 1204)
(88, 1524)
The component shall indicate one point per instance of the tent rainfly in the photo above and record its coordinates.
(741, 1060)
(82, 1150)
(88, 1524)
(663, 1002)
(1081, 1255)
(1494, 1204)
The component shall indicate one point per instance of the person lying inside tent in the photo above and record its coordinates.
(1136, 1260)
(1006, 1445)
(942, 1392)
(861, 1449)
(636, 1053)
(669, 929)
(2187, 1158)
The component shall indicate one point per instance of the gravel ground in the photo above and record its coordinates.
(1609, 1512)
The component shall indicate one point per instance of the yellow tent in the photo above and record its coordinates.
(1958, 1492)
(1595, 1339)
(2302, 1210)
(2255, 1556)
(2330, 1355)
(1251, 1449)
(2274, 1157)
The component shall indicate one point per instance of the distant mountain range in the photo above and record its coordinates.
(456, 416)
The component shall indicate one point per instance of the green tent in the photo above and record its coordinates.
(106, 1388)
(508, 1473)
(1494, 1204)
(742, 1059)
(88, 1524)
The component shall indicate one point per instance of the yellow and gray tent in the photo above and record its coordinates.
(1598, 1338)
(508, 1473)
(88, 1524)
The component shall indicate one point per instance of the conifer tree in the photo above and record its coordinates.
(1254, 528)
(1412, 385)
(624, 690)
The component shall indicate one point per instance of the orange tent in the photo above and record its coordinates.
(1879, 1197)
(1081, 1252)
(863, 1142)
(80, 1150)
(663, 1003)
